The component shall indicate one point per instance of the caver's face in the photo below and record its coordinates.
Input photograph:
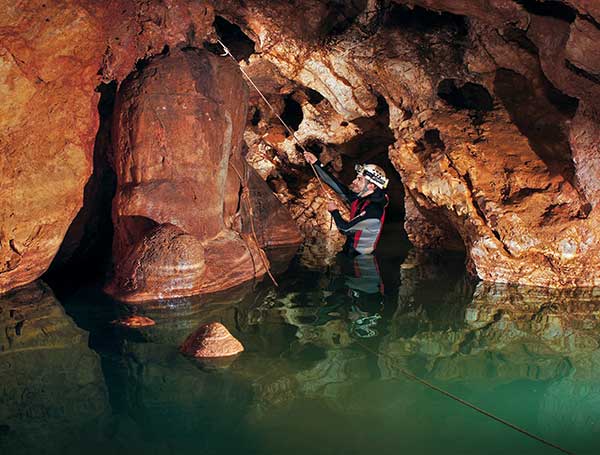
(358, 184)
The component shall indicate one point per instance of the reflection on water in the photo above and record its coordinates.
(52, 391)
(322, 369)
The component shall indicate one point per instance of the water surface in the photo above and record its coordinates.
(323, 369)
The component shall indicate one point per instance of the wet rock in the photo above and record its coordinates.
(134, 321)
(322, 239)
(480, 167)
(211, 340)
(269, 219)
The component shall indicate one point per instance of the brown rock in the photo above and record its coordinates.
(270, 219)
(211, 340)
(49, 59)
(582, 47)
(178, 129)
(134, 322)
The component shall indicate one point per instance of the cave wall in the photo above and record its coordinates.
(492, 106)
(57, 59)
(491, 111)
(53, 55)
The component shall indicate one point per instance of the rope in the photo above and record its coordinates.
(246, 199)
(406, 373)
(289, 130)
(414, 377)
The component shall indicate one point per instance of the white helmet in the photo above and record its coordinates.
(373, 174)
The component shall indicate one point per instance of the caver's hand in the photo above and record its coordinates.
(331, 206)
(310, 157)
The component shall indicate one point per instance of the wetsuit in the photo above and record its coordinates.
(367, 214)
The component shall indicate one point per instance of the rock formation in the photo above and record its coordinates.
(53, 55)
(178, 128)
(491, 125)
(211, 340)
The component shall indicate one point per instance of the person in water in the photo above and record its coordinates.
(368, 200)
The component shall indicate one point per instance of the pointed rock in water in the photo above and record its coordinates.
(134, 322)
(211, 340)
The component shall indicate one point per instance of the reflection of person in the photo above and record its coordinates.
(368, 203)
(359, 293)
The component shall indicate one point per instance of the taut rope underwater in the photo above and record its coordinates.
(422, 381)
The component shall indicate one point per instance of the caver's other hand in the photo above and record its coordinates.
(331, 206)
(310, 157)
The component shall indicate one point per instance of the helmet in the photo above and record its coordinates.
(373, 174)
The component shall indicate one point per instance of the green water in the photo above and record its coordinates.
(322, 371)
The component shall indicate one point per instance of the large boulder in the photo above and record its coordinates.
(177, 132)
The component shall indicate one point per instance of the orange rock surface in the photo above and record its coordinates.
(491, 106)
(52, 56)
(178, 130)
(495, 123)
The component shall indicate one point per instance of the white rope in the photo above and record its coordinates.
(289, 130)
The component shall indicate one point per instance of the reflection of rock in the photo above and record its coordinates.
(505, 333)
(134, 321)
(52, 384)
(211, 340)
(176, 318)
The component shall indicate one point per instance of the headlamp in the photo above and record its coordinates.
(373, 174)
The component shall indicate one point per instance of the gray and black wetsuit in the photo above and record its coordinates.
(366, 214)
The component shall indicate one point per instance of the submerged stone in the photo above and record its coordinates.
(134, 321)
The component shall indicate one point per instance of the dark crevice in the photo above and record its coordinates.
(432, 137)
(430, 143)
(520, 195)
(592, 20)
(256, 116)
(313, 96)
(372, 147)
(86, 248)
(555, 9)
(341, 16)
(565, 104)
(314, 147)
(421, 20)
(136, 227)
(292, 113)
(583, 73)
(469, 96)
(519, 37)
(240, 45)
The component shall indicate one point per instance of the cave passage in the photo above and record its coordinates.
(240, 45)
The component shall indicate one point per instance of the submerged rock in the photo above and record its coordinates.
(134, 321)
(211, 340)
